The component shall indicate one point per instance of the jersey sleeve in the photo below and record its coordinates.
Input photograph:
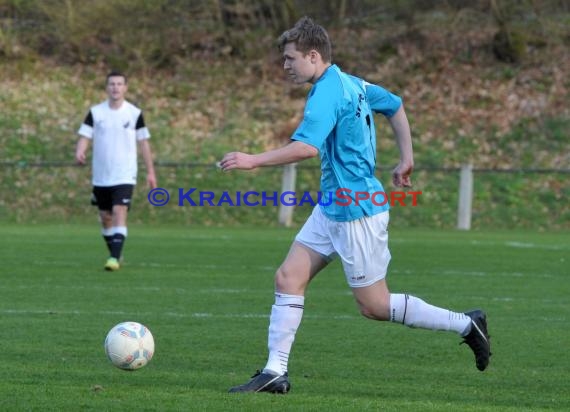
(86, 128)
(141, 129)
(381, 100)
(319, 118)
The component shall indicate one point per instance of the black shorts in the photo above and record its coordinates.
(107, 197)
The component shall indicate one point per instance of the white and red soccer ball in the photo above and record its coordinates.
(129, 345)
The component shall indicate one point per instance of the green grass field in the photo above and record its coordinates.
(206, 294)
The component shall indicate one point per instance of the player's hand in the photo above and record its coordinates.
(401, 175)
(80, 158)
(237, 160)
(151, 181)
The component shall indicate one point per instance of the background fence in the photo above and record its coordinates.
(502, 199)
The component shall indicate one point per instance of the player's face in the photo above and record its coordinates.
(116, 88)
(300, 68)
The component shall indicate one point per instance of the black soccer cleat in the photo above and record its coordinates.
(478, 339)
(265, 382)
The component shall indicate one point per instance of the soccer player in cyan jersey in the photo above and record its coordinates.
(338, 125)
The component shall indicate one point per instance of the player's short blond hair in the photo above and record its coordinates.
(307, 36)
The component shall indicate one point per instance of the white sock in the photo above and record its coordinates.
(286, 315)
(122, 230)
(416, 313)
(107, 231)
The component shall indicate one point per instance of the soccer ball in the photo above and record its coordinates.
(129, 345)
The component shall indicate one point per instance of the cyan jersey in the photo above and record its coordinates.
(338, 121)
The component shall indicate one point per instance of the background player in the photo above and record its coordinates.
(115, 126)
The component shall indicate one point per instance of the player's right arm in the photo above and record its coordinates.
(291, 153)
(81, 149)
(85, 135)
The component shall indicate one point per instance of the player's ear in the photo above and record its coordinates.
(314, 55)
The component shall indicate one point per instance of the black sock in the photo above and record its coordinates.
(117, 243)
(108, 241)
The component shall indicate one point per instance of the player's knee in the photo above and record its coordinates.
(106, 218)
(288, 282)
(282, 278)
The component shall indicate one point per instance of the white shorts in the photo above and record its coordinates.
(361, 244)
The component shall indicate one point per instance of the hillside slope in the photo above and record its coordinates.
(464, 106)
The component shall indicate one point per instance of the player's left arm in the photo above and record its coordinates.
(149, 163)
(390, 105)
(293, 152)
(401, 127)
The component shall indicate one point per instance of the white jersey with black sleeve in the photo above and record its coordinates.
(114, 133)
